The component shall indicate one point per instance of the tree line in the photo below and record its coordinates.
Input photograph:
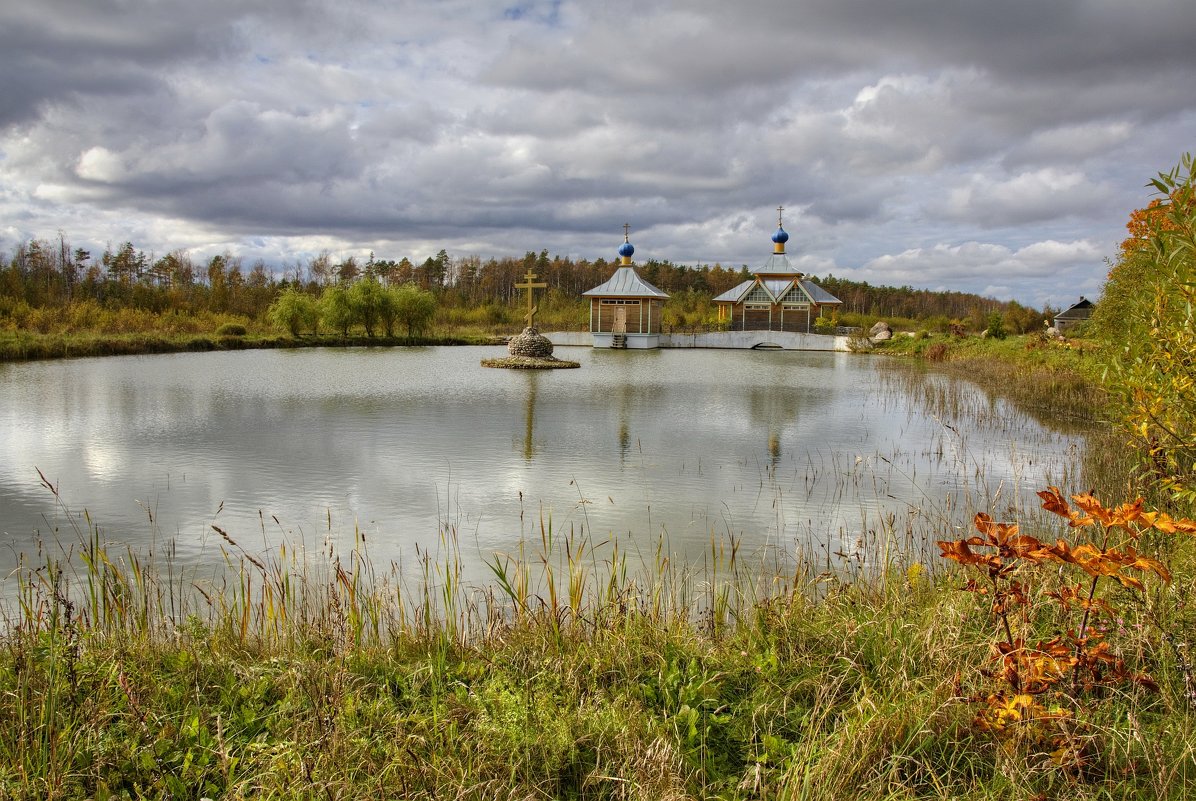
(44, 272)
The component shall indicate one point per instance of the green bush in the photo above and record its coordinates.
(336, 310)
(295, 311)
(231, 330)
(995, 326)
(1145, 318)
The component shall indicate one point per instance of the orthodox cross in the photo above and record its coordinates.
(779, 210)
(626, 230)
(531, 286)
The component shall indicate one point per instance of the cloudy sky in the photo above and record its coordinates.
(994, 147)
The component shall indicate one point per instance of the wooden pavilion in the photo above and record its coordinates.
(778, 297)
(625, 312)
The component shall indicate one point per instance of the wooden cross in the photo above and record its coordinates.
(531, 286)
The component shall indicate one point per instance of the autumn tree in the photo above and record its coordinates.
(1145, 316)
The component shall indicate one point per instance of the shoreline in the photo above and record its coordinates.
(26, 347)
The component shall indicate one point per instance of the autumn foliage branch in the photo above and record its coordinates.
(1041, 685)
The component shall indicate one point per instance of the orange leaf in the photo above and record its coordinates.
(1093, 508)
(1052, 501)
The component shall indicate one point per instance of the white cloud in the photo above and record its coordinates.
(99, 164)
(1039, 272)
(1028, 197)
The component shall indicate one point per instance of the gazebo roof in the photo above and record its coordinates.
(626, 283)
(818, 294)
(778, 288)
(735, 293)
(778, 264)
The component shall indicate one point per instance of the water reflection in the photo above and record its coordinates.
(775, 448)
(529, 442)
(773, 410)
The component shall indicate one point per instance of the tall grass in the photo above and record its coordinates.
(581, 671)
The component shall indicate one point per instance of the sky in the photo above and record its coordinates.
(973, 145)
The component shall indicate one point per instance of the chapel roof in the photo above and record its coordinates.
(626, 282)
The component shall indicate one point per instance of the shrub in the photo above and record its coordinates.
(295, 311)
(231, 330)
(1145, 315)
(995, 325)
(1053, 656)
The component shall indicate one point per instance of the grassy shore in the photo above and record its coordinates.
(580, 673)
(1059, 376)
(577, 674)
(23, 346)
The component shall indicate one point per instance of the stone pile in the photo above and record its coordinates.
(531, 344)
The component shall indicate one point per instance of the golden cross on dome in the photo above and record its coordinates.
(626, 228)
(779, 210)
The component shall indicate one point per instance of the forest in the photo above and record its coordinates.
(48, 286)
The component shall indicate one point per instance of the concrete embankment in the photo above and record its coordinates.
(741, 340)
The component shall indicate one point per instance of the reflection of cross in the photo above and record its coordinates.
(530, 286)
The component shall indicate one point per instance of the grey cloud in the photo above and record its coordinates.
(56, 50)
(886, 127)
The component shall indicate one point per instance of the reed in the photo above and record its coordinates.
(585, 669)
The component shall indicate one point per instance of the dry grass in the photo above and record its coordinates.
(574, 674)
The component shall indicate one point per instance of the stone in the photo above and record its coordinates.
(882, 336)
(878, 327)
(530, 343)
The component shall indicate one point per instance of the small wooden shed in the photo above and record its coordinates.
(1075, 314)
(625, 312)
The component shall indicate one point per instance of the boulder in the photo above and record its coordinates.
(878, 327)
(882, 336)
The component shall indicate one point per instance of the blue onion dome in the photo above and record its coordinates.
(780, 237)
(626, 249)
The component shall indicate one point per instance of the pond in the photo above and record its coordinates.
(318, 448)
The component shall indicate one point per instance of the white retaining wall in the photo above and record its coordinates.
(742, 340)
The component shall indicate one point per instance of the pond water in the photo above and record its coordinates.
(313, 447)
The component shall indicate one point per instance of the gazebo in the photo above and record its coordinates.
(625, 311)
(778, 297)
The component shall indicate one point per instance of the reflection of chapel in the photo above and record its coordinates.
(778, 297)
(625, 312)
